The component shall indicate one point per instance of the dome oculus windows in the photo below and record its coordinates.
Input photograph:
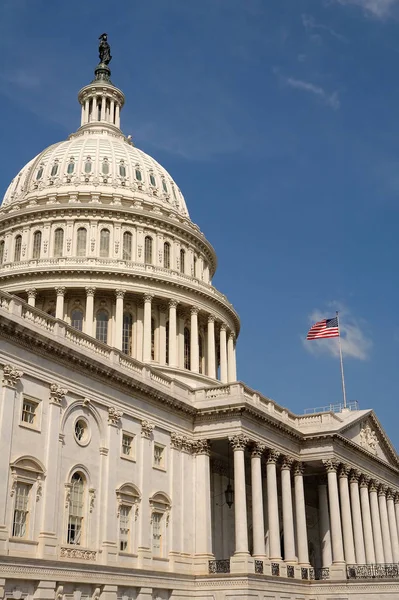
(81, 432)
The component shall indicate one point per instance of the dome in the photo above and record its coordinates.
(100, 160)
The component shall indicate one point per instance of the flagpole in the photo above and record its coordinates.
(341, 361)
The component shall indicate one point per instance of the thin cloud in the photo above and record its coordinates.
(375, 8)
(354, 339)
(332, 100)
(310, 24)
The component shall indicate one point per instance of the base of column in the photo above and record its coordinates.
(144, 558)
(338, 571)
(48, 545)
(109, 553)
(201, 563)
(242, 562)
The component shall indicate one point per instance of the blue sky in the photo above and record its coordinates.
(280, 122)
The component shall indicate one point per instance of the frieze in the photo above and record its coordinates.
(78, 553)
(368, 439)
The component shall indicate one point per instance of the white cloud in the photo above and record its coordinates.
(332, 100)
(311, 24)
(376, 8)
(354, 339)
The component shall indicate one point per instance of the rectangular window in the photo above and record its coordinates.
(127, 445)
(124, 528)
(29, 411)
(21, 510)
(159, 456)
(157, 534)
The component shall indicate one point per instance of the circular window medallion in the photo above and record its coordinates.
(81, 432)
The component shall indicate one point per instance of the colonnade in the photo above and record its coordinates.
(199, 354)
(101, 107)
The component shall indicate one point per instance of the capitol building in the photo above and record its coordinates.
(135, 465)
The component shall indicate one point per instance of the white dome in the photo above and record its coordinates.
(96, 160)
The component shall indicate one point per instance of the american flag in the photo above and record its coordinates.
(327, 328)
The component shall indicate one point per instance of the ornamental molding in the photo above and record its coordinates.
(114, 415)
(239, 442)
(92, 497)
(286, 463)
(146, 429)
(382, 490)
(181, 442)
(374, 485)
(368, 439)
(330, 465)
(364, 481)
(11, 376)
(57, 393)
(257, 450)
(272, 456)
(90, 291)
(78, 553)
(32, 292)
(202, 447)
(120, 293)
(343, 471)
(299, 469)
(354, 476)
(60, 291)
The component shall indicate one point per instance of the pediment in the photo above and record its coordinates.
(368, 433)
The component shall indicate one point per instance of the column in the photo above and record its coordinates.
(396, 501)
(232, 376)
(102, 108)
(211, 372)
(203, 525)
(288, 515)
(109, 517)
(300, 513)
(147, 328)
(258, 528)
(366, 518)
(335, 517)
(376, 523)
(162, 334)
(272, 506)
(144, 463)
(346, 517)
(324, 524)
(176, 524)
(59, 307)
(392, 526)
(194, 349)
(172, 333)
(180, 341)
(119, 319)
(32, 293)
(89, 319)
(239, 443)
(117, 116)
(386, 538)
(112, 112)
(357, 518)
(223, 354)
(86, 113)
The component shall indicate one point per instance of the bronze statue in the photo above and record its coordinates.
(104, 50)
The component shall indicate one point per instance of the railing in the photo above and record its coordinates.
(259, 567)
(275, 569)
(219, 566)
(335, 408)
(376, 571)
(290, 571)
(319, 573)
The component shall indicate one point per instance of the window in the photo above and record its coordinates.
(174, 193)
(139, 176)
(167, 342)
(17, 248)
(81, 242)
(148, 250)
(76, 506)
(77, 319)
(81, 431)
(58, 242)
(182, 261)
(127, 445)
(152, 339)
(102, 326)
(157, 533)
(127, 333)
(21, 510)
(37, 243)
(54, 170)
(1, 252)
(166, 255)
(127, 245)
(104, 242)
(152, 179)
(124, 527)
(29, 411)
(159, 456)
(105, 167)
(195, 267)
(122, 170)
(39, 174)
(187, 348)
(71, 167)
(88, 166)
(165, 187)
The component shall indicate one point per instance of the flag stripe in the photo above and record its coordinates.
(327, 328)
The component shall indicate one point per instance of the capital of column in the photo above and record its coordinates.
(146, 429)
(32, 292)
(272, 456)
(299, 469)
(11, 376)
(232, 336)
(173, 303)
(257, 450)
(286, 463)
(202, 447)
(382, 490)
(60, 291)
(238, 442)
(90, 291)
(194, 310)
(120, 293)
(354, 476)
(390, 494)
(176, 441)
(330, 465)
(374, 485)
(211, 318)
(364, 481)
(148, 297)
(396, 498)
(343, 471)
(57, 393)
(114, 415)
(223, 327)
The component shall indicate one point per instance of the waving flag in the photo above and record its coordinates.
(328, 328)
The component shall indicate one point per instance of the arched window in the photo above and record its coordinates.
(81, 240)
(17, 248)
(1, 251)
(88, 165)
(104, 242)
(139, 176)
(167, 342)
(148, 250)
(127, 245)
(152, 179)
(58, 242)
(166, 255)
(71, 167)
(102, 326)
(127, 333)
(195, 266)
(76, 509)
(122, 170)
(152, 339)
(77, 319)
(165, 187)
(54, 170)
(201, 353)
(187, 348)
(174, 193)
(182, 261)
(37, 244)
(160, 507)
(105, 167)
(39, 173)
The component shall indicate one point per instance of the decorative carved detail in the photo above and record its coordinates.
(148, 297)
(59, 593)
(330, 465)
(92, 497)
(286, 463)
(223, 327)
(364, 481)
(354, 476)
(299, 469)
(68, 244)
(194, 310)
(272, 456)
(373, 486)
(232, 336)
(238, 442)
(11, 376)
(368, 439)
(343, 471)
(173, 303)
(60, 291)
(202, 447)
(116, 247)
(90, 291)
(187, 445)
(78, 553)
(211, 318)
(146, 429)
(32, 292)
(114, 415)
(92, 244)
(257, 449)
(176, 441)
(396, 498)
(382, 490)
(39, 489)
(120, 293)
(57, 393)
(390, 494)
